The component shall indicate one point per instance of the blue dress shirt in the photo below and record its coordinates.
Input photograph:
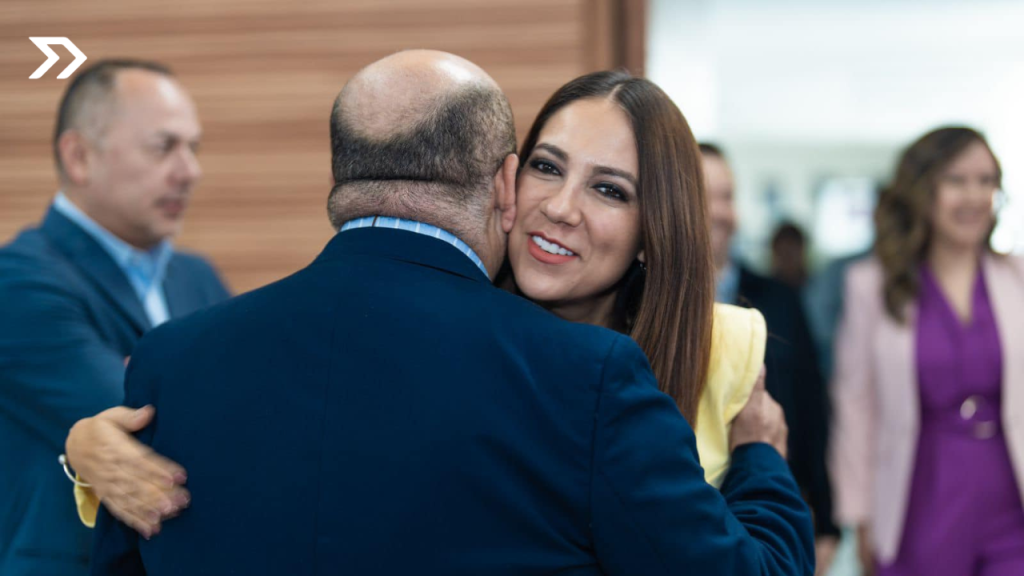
(144, 269)
(727, 287)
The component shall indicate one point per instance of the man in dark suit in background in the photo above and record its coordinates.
(793, 375)
(387, 410)
(78, 291)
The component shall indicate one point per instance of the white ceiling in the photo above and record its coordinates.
(846, 73)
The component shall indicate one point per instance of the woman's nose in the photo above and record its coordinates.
(562, 207)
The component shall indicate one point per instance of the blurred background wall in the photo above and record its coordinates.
(264, 74)
(813, 101)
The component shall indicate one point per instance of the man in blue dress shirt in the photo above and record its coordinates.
(387, 410)
(78, 291)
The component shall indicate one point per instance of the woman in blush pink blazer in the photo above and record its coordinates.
(927, 450)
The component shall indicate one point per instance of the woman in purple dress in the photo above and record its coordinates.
(928, 447)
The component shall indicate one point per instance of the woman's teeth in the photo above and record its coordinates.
(551, 247)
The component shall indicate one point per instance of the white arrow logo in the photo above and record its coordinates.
(43, 42)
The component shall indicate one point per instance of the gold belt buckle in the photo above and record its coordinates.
(985, 430)
(969, 407)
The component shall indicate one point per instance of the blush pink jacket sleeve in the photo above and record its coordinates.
(851, 455)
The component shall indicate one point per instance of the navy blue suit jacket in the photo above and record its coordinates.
(388, 411)
(794, 379)
(68, 319)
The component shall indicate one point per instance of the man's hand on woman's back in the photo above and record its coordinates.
(761, 420)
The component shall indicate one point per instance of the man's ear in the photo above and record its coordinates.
(73, 150)
(505, 191)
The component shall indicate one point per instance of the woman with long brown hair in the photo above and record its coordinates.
(928, 450)
(611, 229)
(611, 171)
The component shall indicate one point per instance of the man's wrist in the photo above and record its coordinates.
(748, 441)
(756, 450)
(72, 445)
(74, 477)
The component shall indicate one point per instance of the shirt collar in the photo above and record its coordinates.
(146, 267)
(727, 287)
(418, 228)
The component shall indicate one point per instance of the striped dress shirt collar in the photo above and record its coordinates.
(418, 228)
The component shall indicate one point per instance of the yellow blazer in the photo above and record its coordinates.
(737, 353)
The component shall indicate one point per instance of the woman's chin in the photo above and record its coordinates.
(539, 292)
(968, 240)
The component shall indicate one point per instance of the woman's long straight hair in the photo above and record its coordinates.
(668, 308)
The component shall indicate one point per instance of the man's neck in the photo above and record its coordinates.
(97, 217)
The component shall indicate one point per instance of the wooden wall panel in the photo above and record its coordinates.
(264, 74)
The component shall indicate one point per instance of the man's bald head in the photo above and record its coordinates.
(419, 134)
(396, 93)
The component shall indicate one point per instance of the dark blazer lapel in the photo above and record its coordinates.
(85, 254)
(748, 288)
(403, 246)
(178, 288)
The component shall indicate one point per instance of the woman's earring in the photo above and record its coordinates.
(643, 267)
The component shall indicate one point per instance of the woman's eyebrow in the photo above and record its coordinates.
(616, 172)
(554, 151)
(564, 157)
